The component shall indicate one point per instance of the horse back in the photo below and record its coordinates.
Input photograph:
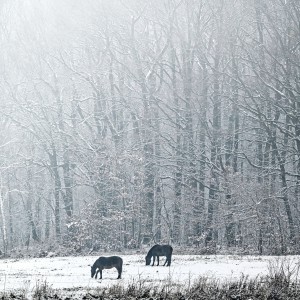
(109, 262)
(161, 250)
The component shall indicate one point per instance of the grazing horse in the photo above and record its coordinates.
(107, 263)
(157, 251)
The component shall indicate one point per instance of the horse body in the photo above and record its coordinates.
(107, 263)
(159, 250)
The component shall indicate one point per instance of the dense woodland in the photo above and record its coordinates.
(161, 121)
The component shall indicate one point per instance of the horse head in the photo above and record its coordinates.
(148, 260)
(93, 271)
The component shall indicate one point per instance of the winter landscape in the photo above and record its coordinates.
(74, 272)
(130, 123)
(70, 276)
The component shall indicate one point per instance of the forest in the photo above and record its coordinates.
(162, 121)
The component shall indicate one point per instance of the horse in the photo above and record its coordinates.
(157, 251)
(107, 263)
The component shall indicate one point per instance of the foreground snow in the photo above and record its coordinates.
(74, 272)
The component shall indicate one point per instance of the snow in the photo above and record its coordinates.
(74, 272)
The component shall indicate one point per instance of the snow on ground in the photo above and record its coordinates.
(74, 272)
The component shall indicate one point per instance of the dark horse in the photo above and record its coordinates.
(157, 251)
(107, 263)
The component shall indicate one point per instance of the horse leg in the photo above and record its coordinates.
(153, 261)
(169, 260)
(100, 273)
(158, 260)
(166, 260)
(96, 274)
(119, 272)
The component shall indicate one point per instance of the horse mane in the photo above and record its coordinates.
(94, 264)
(151, 249)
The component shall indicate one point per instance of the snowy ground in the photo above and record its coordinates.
(74, 272)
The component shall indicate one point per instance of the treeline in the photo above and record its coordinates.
(169, 121)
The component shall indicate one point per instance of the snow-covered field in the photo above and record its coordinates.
(74, 272)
